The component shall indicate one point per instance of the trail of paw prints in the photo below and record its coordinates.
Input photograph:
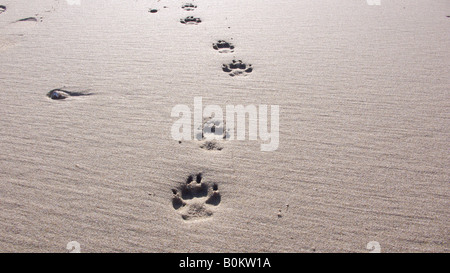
(61, 94)
(223, 46)
(237, 68)
(195, 199)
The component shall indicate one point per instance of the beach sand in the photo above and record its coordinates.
(364, 130)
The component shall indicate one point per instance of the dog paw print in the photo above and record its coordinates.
(189, 7)
(191, 20)
(195, 199)
(223, 46)
(2, 9)
(237, 68)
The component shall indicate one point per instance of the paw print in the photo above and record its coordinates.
(237, 68)
(195, 199)
(191, 20)
(189, 7)
(2, 9)
(223, 46)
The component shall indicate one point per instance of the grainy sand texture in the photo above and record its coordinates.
(87, 154)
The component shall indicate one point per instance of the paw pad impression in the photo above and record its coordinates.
(189, 7)
(195, 198)
(191, 20)
(237, 68)
(223, 46)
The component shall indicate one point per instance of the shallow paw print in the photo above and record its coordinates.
(211, 145)
(189, 7)
(223, 46)
(237, 68)
(61, 94)
(191, 20)
(195, 199)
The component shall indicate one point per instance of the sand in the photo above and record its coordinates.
(364, 127)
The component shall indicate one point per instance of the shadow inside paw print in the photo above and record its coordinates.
(191, 20)
(60, 94)
(2, 9)
(195, 198)
(28, 19)
(153, 10)
(189, 7)
(237, 68)
(223, 46)
(211, 146)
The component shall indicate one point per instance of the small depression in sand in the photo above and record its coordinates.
(61, 94)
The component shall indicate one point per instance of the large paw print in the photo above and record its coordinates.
(195, 199)
(223, 46)
(191, 20)
(237, 68)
